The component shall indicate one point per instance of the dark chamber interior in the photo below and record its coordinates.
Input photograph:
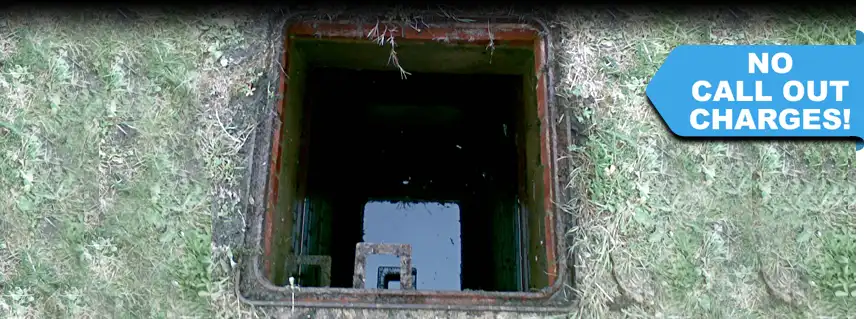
(446, 162)
(430, 138)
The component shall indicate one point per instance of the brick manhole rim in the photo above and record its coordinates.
(254, 289)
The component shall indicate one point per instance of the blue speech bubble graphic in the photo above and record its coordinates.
(762, 91)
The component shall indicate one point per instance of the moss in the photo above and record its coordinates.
(414, 56)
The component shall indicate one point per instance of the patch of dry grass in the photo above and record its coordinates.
(117, 147)
(678, 228)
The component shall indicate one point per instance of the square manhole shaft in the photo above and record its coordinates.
(439, 146)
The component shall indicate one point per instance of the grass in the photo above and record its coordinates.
(120, 145)
(716, 228)
(112, 159)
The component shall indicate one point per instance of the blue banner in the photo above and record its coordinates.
(762, 91)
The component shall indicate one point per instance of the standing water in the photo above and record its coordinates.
(432, 230)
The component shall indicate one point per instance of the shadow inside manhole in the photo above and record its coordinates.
(435, 186)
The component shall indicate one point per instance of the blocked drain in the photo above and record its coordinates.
(448, 171)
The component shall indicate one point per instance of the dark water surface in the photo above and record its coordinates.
(432, 230)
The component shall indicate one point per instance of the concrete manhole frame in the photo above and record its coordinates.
(253, 288)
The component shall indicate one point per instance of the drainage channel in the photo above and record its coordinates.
(431, 188)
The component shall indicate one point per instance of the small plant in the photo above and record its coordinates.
(384, 37)
(491, 46)
(836, 274)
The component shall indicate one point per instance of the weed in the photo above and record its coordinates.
(382, 34)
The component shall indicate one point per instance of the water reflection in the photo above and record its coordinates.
(432, 229)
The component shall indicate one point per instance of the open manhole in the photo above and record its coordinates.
(433, 189)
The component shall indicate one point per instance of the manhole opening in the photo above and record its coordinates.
(439, 181)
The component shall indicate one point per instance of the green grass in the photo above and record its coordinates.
(109, 161)
(694, 227)
(119, 142)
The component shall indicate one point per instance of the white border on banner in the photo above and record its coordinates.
(859, 162)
